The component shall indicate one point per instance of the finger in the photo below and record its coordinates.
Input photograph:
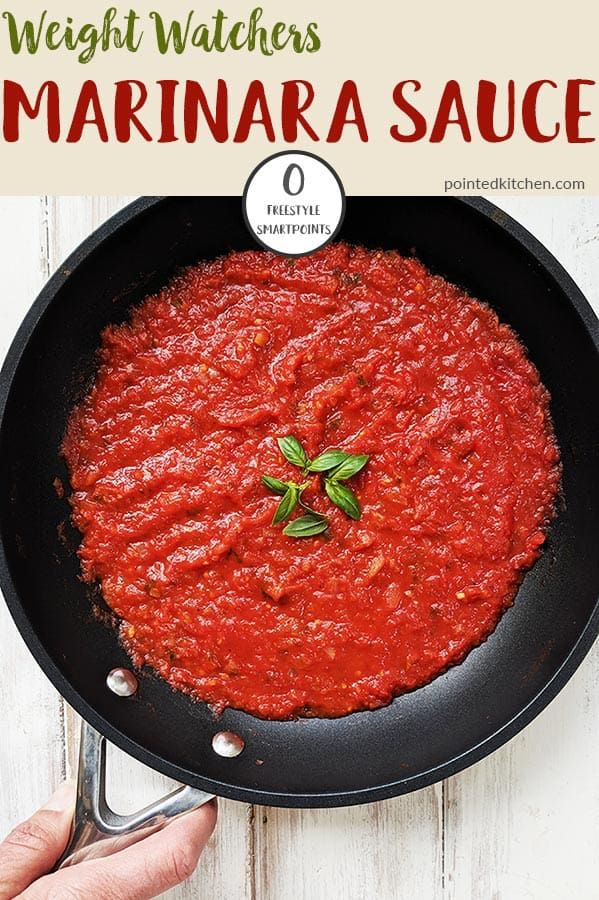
(32, 848)
(140, 872)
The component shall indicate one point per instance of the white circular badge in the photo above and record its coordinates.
(294, 203)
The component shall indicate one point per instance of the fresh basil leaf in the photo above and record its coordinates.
(287, 505)
(327, 460)
(350, 467)
(293, 451)
(306, 526)
(344, 498)
(273, 484)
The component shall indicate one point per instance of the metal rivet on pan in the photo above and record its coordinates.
(122, 682)
(227, 743)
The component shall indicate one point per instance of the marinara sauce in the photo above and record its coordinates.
(347, 348)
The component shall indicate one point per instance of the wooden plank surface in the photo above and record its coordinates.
(521, 824)
(32, 749)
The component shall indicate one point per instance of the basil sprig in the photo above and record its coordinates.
(335, 466)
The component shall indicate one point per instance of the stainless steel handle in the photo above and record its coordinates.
(97, 830)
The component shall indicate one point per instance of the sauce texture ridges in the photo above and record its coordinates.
(350, 348)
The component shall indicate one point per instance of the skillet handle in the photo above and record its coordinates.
(97, 830)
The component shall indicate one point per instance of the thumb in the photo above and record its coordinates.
(32, 848)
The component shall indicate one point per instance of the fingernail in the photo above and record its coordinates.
(63, 798)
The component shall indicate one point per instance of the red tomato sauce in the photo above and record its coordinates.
(347, 348)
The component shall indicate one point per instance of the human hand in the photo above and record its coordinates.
(139, 872)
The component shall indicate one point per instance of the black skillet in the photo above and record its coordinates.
(421, 737)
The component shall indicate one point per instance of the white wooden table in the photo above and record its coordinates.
(523, 823)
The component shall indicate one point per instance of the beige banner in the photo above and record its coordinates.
(511, 48)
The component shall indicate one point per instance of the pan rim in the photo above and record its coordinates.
(536, 250)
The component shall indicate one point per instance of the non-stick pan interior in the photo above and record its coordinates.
(421, 736)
